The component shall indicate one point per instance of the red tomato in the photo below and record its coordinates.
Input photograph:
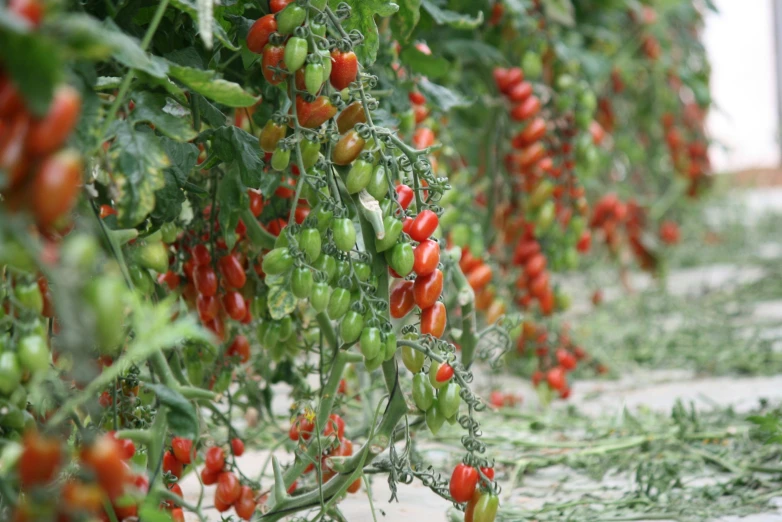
(55, 187)
(177, 515)
(209, 477)
(205, 280)
(344, 68)
(31, 10)
(256, 202)
(49, 133)
(433, 320)
(404, 195)
(232, 271)
(208, 307)
(275, 6)
(335, 422)
(417, 98)
(401, 299)
(423, 137)
(354, 486)
(237, 446)
(535, 266)
(566, 359)
(258, 35)
(182, 449)
(272, 57)
(480, 276)
(427, 257)
(170, 279)
(228, 487)
(313, 114)
(464, 480)
(201, 255)
(427, 289)
(424, 224)
(444, 373)
(520, 92)
(556, 378)
(489, 472)
(172, 465)
(40, 459)
(240, 347)
(526, 109)
(103, 457)
(245, 506)
(215, 459)
(233, 302)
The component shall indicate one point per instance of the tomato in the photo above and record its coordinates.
(41, 456)
(228, 487)
(479, 277)
(153, 256)
(312, 115)
(520, 92)
(423, 138)
(104, 295)
(49, 133)
(12, 157)
(433, 321)
(256, 199)
(449, 400)
(370, 342)
(237, 447)
(427, 289)
(275, 6)
(557, 378)
(33, 353)
(314, 77)
(326, 264)
(401, 258)
(208, 307)
(29, 297)
(103, 457)
(234, 305)
(470, 509)
(423, 393)
(310, 243)
(393, 228)
(232, 271)
(290, 18)
(339, 302)
(271, 134)
(177, 515)
(424, 224)
(526, 109)
(464, 480)
(354, 486)
(295, 53)
(486, 508)
(344, 68)
(350, 116)
(351, 326)
(401, 299)
(55, 187)
(434, 419)
(302, 428)
(215, 459)
(258, 35)
(359, 176)
(183, 449)
(301, 282)
(440, 374)
(273, 56)
(348, 148)
(281, 158)
(378, 183)
(245, 506)
(278, 261)
(344, 233)
(533, 132)
(336, 423)
(205, 280)
(172, 465)
(240, 347)
(220, 505)
(426, 257)
(208, 476)
(10, 372)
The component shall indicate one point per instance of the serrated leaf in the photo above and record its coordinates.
(281, 302)
(209, 113)
(138, 161)
(362, 18)
(451, 18)
(441, 96)
(181, 415)
(209, 85)
(168, 200)
(234, 145)
(428, 64)
(560, 11)
(187, 6)
(155, 109)
(405, 20)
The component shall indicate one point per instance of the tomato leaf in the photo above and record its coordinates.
(169, 199)
(206, 21)
(187, 6)
(281, 302)
(138, 161)
(209, 113)
(430, 65)
(181, 414)
(168, 117)
(231, 196)
(441, 96)
(210, 85)
(232, 144)
(450, 18)
(362, 18)
(471, 51)
(403, 23)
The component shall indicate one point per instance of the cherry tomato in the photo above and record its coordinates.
(526, 109)
(401, 258)
(479, 277)
(172, 465)
(234, 305)
(228, 487)
(232, 271)
(245, 506)
(40, 458)
(278, 261)
(205, 280)
(290, 18)
(312, 115)
(426, 257)
(273, 56)
(433, 320)
(49, 133)
(104, 458)
(302, 427)
(401, 300)
(237, 446)
(404, 195)
(240, 347)
(427, 289)
(464, 480)
(258, 35)
(295, 53)
(208, 307)
(215, 459)
(209, 477)
(55, 187)
(275, 6)
(351, 326)
(348, 148)
(557, 378)
(344, 233)
(335, 423)
(350, 116)
(182, 449)
(424, 224)
(344, 68)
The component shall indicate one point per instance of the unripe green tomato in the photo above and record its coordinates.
(272, 335)
(310, 152)
(153, 256)
(460, 235)
(290, 18)
(195, 371)
(564, 102)
(545, 217)
(571, 258)
(423, 393)
(562, 300)
(29, 297)
(278, 261)
(281, 158)
(344, 234)
(319, 298)
(79, 250)
(453, 419)
(310, 243)
(10, 373)
(12, 419)
(407, 121)
(318, 29)
(351, 327)
(373, 364)
(258, 305)
(389, 347)
(565, 83)
(286, 328)
(19, 397)
(326, 264)
(326, 57)
(33, 354)
(323, 217)
(282, 241)
(588, 101)
(393, 228)
(378, 183)
(359, 176)
(105, 297)
(343, 270)
(371, 343)
(532, 65)
(301, 282)
(292, 347)
(339, 302)
(363, 271)
(486, 508)
(295, 53)
(401, 258)
(141, 279)
(412, 359)
(313, 77)
(583, 119)
(434, 419)
(449, 400)
(450, 217)
(168, 232)
(223, 381)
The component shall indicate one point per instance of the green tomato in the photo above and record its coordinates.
(449, 400)
(318, 29)
(541, 194)
(223, 381)
(272, 335)
(319, 298)
(343, 270)
(79, 250)
(10, 373)
(413, 359)
(153, 256)
(351, 326)
(295, 54)
(282, 241)
(281, 158)
(195, 371)
(423, 393)
(313, 77)
(373, 364)
(460, 235)
(310, 243)
(532, 65)
(301, 282)
(33, 354)
(545, 217)
(378, 183)
(407, 121)
(168, 232)
(141, 279)
(286, 328)
(358, 176)
(323, 217)
(258, 305)
(278, 261)
(105, 295)
(393, 228)
(326, 264)
(29, 297)
(434, 418)
(371, 343)
(290, 18)
(486, 508)
(344, 233)
(401, 258)
(363, 271)
(339, 302)
(326, 58)
(310, 152)
(389, 347)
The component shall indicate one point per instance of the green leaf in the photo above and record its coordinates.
(441, 96)
(167, 116)
(472, 51)
(362, 18)
(208, 84)
(234, 145)
(32, 61)
(169, 199)
(452, 19)
(560, 11)
(427, 64)
(281, 302)
(181, 414)
(138, 161)
(209, 113)
(187, 6)
(206, 21)
(406, 19)
(231, 198)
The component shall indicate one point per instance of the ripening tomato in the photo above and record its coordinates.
(205, 280)
(312, 115)
(426, 257)
(55, 187)
(464, 480)
(215, 459)
(427, 289)
(350, 116)
(401, 300)
(182, 449)
(333, 423)
(258, 35)
(348, 148)
(344, 68)
(273, 56)
(49, 133)
(424, 225)
(433, 320)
